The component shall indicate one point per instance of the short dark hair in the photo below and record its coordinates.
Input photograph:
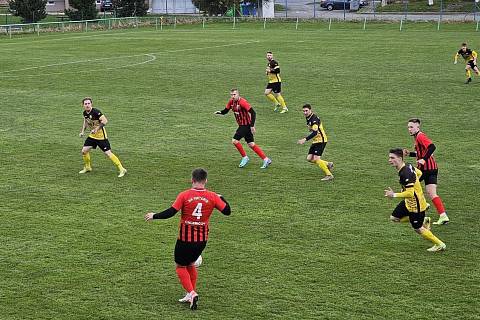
(199, 175)
(397, 152)
(415, 120)
(464, 44)
(234, 89)
(85, 99)
(307, 105)
(270, 52)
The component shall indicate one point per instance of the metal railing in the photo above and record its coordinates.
(161, 22)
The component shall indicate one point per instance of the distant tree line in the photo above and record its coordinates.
(34, 10)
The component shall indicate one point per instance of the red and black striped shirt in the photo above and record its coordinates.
(421, 145)
(197, 205)
(240, 109)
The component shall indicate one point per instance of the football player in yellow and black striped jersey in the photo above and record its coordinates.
(470, 57)
(319, 141)
(413, 206)
(95, 121)
(274, 84)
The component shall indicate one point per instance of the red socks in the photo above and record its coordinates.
(437, 202)
(240, 149)
(192, 270)
(255, 148)
(184, 277)
(259, 152)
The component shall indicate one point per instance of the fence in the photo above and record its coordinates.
(161, 22)
(426, 10)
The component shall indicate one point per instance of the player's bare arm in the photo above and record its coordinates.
(82, 131)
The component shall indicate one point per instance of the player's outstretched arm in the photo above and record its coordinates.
(168, 213)
(222, 112)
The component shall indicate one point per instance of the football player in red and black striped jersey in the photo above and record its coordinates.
(424, 149)
(245, 117)
(197, 205)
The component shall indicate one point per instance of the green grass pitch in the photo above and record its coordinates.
(76, 246)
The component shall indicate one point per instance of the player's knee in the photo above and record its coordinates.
(84, 151)
(394, 219)
(234, 141)
(419, 230)
(251, 144)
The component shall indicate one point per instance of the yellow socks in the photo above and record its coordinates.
(281, 100)
(323, 165)
(116, 161)
(427, 234)
(86, 160)
(469, 74)
(272, 98)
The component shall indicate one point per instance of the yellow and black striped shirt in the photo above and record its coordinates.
(274, 74)
(315, 125)
(412, 189)
(467, 55)
(93, 120)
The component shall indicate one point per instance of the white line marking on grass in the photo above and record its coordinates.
(109, 34)
(153, 58)
(151, 55)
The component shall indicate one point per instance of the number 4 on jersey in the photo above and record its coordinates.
(198, 211)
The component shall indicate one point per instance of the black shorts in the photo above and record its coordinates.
(187, 253)
(102, 144)
(416, 218)
(317, 148)
(244, 132)
(429, 176)
(471, 64)
(276, 87)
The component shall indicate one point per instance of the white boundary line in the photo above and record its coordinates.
(110, 34)
(151, 55)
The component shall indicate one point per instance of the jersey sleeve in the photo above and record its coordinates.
(245, 105)
(474, 54)
(229, 104)
(315, 124)
(423, 140)
(219, 204)
(178, 204)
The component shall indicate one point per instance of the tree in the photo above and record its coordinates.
(29, 10)
(130, 8)
(82, 10)
(215, 7)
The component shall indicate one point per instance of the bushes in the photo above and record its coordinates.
(29, 10)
